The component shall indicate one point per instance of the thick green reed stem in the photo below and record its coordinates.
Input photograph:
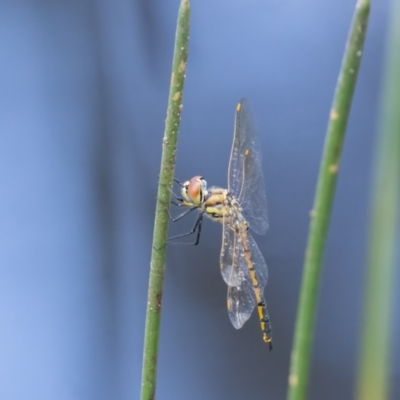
(156, 279)
(320, 215)
(374, 365)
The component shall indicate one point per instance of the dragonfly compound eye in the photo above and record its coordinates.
(194, 190)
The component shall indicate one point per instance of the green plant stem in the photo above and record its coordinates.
(153, 315)
(320, 215)
(375, 351)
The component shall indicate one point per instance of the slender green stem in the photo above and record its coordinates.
(375, 355)
(320, 215)
(153, 315)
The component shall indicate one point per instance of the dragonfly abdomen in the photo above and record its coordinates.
(265, 322)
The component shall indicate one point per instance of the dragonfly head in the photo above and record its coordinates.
(194, 191)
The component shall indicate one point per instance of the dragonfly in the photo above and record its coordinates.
(240, 207)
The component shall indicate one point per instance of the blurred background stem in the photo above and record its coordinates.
(374, 363)
(320, 214)
(153, 314)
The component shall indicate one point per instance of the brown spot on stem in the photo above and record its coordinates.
(152, 394)
(158, 302)
(334, 114)
(333, 168)
(176, 96)
(182, 67)
(293, 380)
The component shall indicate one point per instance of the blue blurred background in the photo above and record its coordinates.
(83, 94)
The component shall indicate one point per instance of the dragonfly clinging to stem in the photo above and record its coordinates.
(241, 206)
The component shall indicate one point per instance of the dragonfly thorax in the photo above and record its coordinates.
(221, 206)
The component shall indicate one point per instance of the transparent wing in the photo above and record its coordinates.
(241, 297)
(245, 176)
(228, 258)
(241, 302)
(258, 261)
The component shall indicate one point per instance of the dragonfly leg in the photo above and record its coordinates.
(178, 201)
(176, 198)
(181, 215)
(180, 204)
(178, 182)
(196, 227)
